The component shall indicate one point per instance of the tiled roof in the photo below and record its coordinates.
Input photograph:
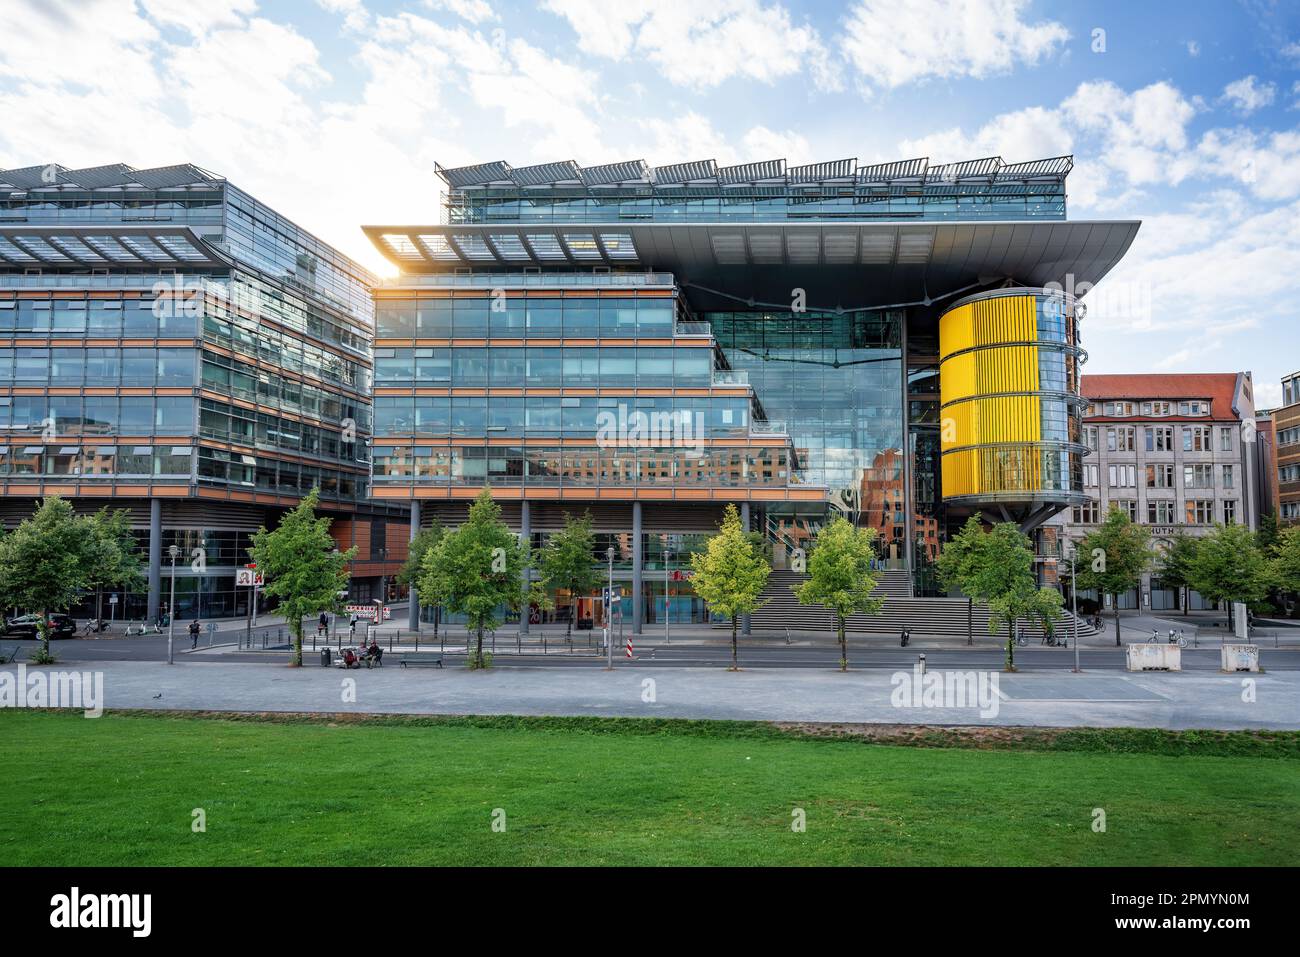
(1219, 387)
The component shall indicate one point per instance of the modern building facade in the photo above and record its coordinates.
(1286, 433)
(1174, 453)
(171, 346)
(894, 343)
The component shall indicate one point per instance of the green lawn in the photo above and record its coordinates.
(120, 791)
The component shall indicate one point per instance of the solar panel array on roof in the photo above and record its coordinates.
(106, 177)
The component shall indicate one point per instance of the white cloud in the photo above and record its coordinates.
(475, 11)
(700, 45)
(1249, 94)
(1193, 48)
(894, 42)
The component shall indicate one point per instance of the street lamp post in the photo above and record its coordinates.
(609, 612)
(1074, 600)
(667, 557)
(173, 551)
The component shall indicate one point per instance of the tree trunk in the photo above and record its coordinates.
(1186, 594)
(478, 651)
(437, 613)
(734, 665)
(573, 616)
(99, 608)
(1118, 643)
(970, 621)
(1011, 646)
(44, 629)
(844, 644)
(296, 627)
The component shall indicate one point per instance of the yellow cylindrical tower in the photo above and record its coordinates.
(1010, 427)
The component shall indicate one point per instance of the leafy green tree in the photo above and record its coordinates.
(839, 576)
(1002, 575)
(567, 562)
(43, 565)
(730, 573)
(959, 565)
(1286, 561)
(1176, 563)
(303, 567)
(1113, 559)
(1229, 567)
(1268, 537)
(112, 560)
(476, 569)
(408, 576)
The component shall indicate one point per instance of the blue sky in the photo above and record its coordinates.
(1183, 115)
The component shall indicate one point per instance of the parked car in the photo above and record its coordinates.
(25, 627)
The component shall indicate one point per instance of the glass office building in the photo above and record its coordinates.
(802, 341)
(171, 346)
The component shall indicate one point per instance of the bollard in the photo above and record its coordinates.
(390, 642)
(920, 662)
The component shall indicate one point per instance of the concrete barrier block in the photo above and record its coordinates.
(1155, 657)
(1239, 657)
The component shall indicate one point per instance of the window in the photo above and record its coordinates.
(1225, 438)
(1194, 407)
(1196, 438)
(1123, 476)
(1159, 438)
(1086, 514)
(1160, 513)
(1200, 511)
(1128, 506)
(1160, 476)
(1119, 408)
(1228, 477)
(1230, 511)
(1198, 476)
(1090, 475)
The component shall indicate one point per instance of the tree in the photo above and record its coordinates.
(112, 558)
(477, 568)
(1002, 575)
(566, 561)
(303, 567)
(1286, 561)
(1229, 568)
(407, 577)
(1268, 538)
(1176, 564)
(1114, 558)
(43, 565)
(730, 573)
(839, 576)
(959, 564)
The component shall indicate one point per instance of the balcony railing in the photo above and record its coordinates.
(694, 329)
(729, 377)
(488, 280)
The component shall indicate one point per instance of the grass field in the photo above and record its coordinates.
(121, 790)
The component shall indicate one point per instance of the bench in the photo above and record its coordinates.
(421, 658)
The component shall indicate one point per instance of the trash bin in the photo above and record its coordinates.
(325, 658)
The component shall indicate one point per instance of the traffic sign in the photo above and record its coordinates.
(604, 593)
(248, 577)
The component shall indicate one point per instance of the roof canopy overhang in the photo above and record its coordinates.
(110, 247)
(848, 264)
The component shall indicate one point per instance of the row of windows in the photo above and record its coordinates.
(1125, 409)
(583, 467)
(269, 475)
(96, 318)
(439, 416)
(230, 423)
(1160, 438)
(1159, 476)
(96, 461)
(71, 368)
(286, 351)
(272, 391)
(1195, 512)
(63, 415)
(1289, 473)
(516, 317)
(544, 367)
(1289, 436)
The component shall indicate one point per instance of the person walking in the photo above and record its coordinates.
(194, 634)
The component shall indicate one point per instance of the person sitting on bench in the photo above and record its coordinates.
(373, 651)
(349, 658)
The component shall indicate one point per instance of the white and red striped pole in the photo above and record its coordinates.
(629, 646)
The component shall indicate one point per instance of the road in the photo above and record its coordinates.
(755, 653)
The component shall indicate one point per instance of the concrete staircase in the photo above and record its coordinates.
(924, 616)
